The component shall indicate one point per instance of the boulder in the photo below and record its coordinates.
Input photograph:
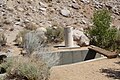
(75, 6)
(80, 37)
(65, 12)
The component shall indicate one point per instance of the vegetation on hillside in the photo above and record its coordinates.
(55, 35)
(102, 34)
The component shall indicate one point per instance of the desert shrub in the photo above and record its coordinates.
(102, 34)
(31, 26)
(3, 39)
(54, 35)
(33, 41)
(20, 36)
(25, 68)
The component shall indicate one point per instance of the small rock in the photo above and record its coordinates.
(1, 30)
(42, 9)
(7, 22)
(18, 23)
(11, 29)
(75, 6)
(85, 1)
(65, 12)
(83, 21)
(20, 9)
(74, 1)
(41, 29)
(10, 9)
(23, 52)
(42, 4)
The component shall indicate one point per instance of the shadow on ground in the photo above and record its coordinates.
(112, 73)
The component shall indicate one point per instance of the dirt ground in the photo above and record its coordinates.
(104, 69)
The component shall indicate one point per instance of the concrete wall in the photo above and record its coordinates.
(69, 57)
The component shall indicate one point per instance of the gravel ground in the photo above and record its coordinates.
(104, 69)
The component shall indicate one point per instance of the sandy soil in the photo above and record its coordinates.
(105, 69)
(11, 35)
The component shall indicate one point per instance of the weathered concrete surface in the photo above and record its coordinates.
(69, 56)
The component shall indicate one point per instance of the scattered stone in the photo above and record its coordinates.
(76, 6)
(23, 52)
(1, 30)
(74, 1)
(10, 9)
(41, 29)
(65, 12)
(20, 9)
(43, 9)
(83, 21)
(85, 1)
(116, 10)
(42, 4)
(11, 29)
(7, 22)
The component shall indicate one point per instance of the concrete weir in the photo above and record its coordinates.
(69, 56)
(70, 53)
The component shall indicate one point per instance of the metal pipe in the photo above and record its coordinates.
(68, 33)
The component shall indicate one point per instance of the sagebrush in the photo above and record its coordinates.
(25, 68)
(33, 41)
(55, 35)
(20, 37)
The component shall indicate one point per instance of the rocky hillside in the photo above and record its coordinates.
(16, 14)
(46, 13)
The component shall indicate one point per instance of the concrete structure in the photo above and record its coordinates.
(68, 32)
(68, 55)
(72, 55)
(76, 55)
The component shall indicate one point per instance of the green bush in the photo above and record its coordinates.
(24, 68)
(31, 26)
(54, 35)
(102, 34)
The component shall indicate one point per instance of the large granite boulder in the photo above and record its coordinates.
(80, 38)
